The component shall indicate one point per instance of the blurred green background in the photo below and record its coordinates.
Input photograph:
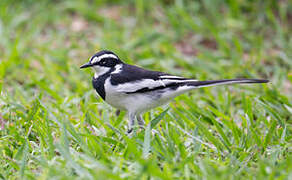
(53, 125)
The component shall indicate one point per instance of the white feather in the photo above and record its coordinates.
(173, 77)
(98, 58)
(147, 83)
(136, 85)
(100, 70)
(118, 68)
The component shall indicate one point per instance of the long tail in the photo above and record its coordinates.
(199, 84)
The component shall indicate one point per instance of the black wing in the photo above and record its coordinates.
(134, 79)
(134, 73)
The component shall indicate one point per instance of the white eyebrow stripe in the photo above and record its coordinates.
(94, 60)
(97, 59)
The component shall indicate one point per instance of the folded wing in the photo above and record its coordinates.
(146, 85)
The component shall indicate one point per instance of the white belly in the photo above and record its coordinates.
(133, 102)
(138, 102)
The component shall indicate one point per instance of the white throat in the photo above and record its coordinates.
(99, 71)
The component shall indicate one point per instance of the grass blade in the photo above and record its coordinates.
(270, 134)
(158, 118)
(206, 132)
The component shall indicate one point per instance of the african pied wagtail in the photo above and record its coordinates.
(137, 90)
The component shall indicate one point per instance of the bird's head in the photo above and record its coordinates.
(103, 61)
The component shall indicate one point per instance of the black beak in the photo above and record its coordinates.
(85, 65)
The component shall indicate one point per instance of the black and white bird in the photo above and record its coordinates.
(137, 90)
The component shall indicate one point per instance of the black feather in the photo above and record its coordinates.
(132, 73)
(98, 83)
(226, 81)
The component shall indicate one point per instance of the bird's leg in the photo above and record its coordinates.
(140, 121)
(118, 112)
(131, 122)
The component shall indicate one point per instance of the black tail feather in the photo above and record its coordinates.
(225, 81)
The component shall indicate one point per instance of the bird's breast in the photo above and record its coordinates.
(115, 98)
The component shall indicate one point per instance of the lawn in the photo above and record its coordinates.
(54, 126)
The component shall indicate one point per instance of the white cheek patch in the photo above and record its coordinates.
(98, 58)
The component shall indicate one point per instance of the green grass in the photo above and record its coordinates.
(54, 126)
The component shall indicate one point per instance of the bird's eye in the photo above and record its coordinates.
(103, 62)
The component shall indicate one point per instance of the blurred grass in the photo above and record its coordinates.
(54, 126)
